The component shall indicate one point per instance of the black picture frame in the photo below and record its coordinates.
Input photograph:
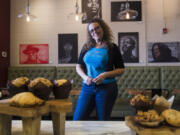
(117, 7)
(67, 48)
(128, 44)
(91, 9)
(163, 52)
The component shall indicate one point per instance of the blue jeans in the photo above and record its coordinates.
(102, 97)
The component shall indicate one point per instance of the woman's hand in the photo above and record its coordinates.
(99, 79)
(88, 80)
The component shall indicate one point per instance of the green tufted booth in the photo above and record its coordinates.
(170, 79)
(133, 77)
(32, 72)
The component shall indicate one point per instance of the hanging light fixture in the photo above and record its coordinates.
(27, 15)
(77, 11)
(128, 13)
(77, 15)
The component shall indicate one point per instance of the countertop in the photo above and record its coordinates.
(80, 128)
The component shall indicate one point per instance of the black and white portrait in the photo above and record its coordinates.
(128, 44)
(67, 48)
(163, 52)
(91, 9)
(118, 7)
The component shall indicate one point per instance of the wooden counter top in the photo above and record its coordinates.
(61, 105)
(31, 116)
(22, 112)
(160, 130)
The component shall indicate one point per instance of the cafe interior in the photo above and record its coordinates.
(40, 43)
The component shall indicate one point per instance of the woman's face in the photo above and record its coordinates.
(156, 51)
(96, 31)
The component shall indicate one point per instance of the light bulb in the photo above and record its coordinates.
(76, 17)
(28, 18)
(127, 15)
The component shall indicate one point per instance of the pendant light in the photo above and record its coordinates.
(77, 15)
(128, 13)
(28, 16)
(77, 11)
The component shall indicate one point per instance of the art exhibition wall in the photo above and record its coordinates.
(54, 17)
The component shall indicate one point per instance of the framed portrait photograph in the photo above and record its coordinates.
(67, 48)
(34, 53)
(91, 9)
(128, 44)
(163, 52)
(117, 9)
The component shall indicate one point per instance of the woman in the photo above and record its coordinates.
(162, 53)
(99, 62)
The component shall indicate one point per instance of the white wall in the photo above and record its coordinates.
(52, 20)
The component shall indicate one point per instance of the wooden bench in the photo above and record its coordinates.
(31, 117)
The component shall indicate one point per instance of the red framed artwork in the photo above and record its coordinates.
(34, 54)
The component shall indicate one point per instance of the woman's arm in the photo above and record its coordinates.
(81, 72)
(116, 72)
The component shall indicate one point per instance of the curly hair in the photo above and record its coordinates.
(164, 50)
(107, 36)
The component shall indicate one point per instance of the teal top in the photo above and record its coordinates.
(96, 60)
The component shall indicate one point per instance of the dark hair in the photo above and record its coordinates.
(165, 52)
(107, 36)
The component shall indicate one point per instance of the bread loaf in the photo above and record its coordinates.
(62, 88)
(61, 82)
(161, 104)
(18, 82)
(42, 80)
(172, 117)
(41, 87)
(25, 99)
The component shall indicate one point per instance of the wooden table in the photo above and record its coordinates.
(161, 130)
(31, 117)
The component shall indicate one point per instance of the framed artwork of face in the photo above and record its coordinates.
(128, 44)
(34, 54)
(91, 9)
(67, 48)
(163, 52)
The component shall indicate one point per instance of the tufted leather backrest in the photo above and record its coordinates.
(32, 72)
(138, 77)
(70, 74)
(170, 77)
